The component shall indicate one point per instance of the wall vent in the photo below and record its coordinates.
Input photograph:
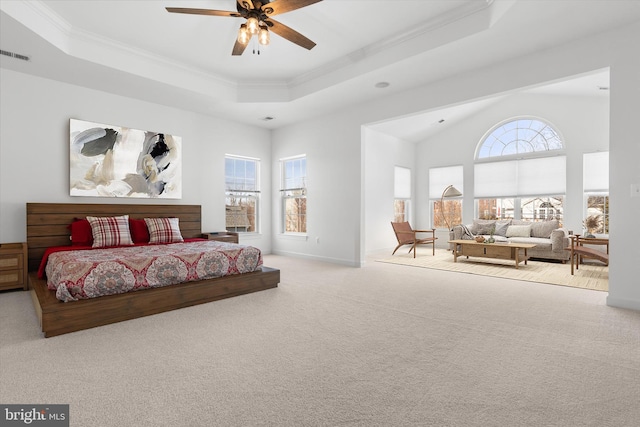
(14, 55)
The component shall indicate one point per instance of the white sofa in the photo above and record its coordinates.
(550, 239)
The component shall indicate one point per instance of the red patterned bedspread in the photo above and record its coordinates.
(84, 274)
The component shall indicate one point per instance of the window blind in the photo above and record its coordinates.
(519, 178)
(441, 178)
(595, 172)
(402, 183)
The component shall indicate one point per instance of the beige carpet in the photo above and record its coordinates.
(589, 276)
(337, 346)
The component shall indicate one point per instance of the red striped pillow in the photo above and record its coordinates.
(164, 230)
(110, 231)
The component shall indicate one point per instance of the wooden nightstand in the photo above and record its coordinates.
(224, 236)
(13, 266)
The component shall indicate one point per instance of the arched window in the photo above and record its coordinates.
(520, 172)
(519, 136)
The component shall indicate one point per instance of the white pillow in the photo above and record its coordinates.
(519, 231)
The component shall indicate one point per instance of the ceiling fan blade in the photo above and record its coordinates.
(290, 34)
(202, 11)
(247, 4)
(238, 48)
(282, 6)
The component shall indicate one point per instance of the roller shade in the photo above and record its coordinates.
(595, 172)
(441, 178)
(520, 178)
(402, 183)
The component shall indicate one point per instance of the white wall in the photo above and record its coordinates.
(333, 188)
(34, 149)
(381, 154)
(624, 172)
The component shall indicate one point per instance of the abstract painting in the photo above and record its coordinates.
(113, 161)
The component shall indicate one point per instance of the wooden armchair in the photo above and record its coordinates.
(408, 236)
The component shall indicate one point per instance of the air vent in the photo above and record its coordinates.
(14, 55)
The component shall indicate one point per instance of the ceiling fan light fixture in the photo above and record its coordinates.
(263, 35)
(253, 25)
(243, 35)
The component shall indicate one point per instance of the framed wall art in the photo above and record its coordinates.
(114, 161)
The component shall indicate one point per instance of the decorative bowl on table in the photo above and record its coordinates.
(479, 239)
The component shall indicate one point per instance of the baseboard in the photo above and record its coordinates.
(340, 261)
(623, 303)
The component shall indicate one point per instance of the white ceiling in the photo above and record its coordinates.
(137, 49)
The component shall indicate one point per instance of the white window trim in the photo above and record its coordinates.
(289, 235)
(257, 193)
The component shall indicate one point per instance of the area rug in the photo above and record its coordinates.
(588, 276)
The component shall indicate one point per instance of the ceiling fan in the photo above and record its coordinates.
(258, 15)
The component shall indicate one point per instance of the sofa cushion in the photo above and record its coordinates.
(540, 242)
(483, 226)
(519, 231)
(501, 227)
(544, 228)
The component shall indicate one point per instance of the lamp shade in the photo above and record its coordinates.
(253, 26)
(451, 191)
(263, 36)
(243, 35)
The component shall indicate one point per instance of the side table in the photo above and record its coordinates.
(13, 266)
(222, 236)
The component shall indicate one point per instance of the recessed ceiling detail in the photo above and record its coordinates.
(86, 31)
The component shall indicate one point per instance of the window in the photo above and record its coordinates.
(530, 187)
(519, 136)
(595, 180)
(542, 208)
(445, 212)
(294, 194)
(242, 188)
(402, 194)
(498, 208)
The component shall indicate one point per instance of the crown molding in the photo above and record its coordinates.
(89, 46)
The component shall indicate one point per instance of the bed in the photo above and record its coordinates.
(47, 226)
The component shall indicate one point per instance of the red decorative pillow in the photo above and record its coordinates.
(139, 230)
(110, 231)
(164, 230)
(80, 232)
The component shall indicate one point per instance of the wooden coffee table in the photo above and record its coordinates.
(510, 251)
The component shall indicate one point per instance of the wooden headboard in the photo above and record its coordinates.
(47, 222)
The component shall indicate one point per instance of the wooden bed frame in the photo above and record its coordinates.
(47, 226)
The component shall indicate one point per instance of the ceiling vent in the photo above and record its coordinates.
(14, 55)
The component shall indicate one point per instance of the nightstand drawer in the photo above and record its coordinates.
(11, 262)
(11, 279)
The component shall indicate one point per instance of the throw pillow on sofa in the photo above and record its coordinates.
(519, 231)
(501, 227)
(483, 226)
(543, 229)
